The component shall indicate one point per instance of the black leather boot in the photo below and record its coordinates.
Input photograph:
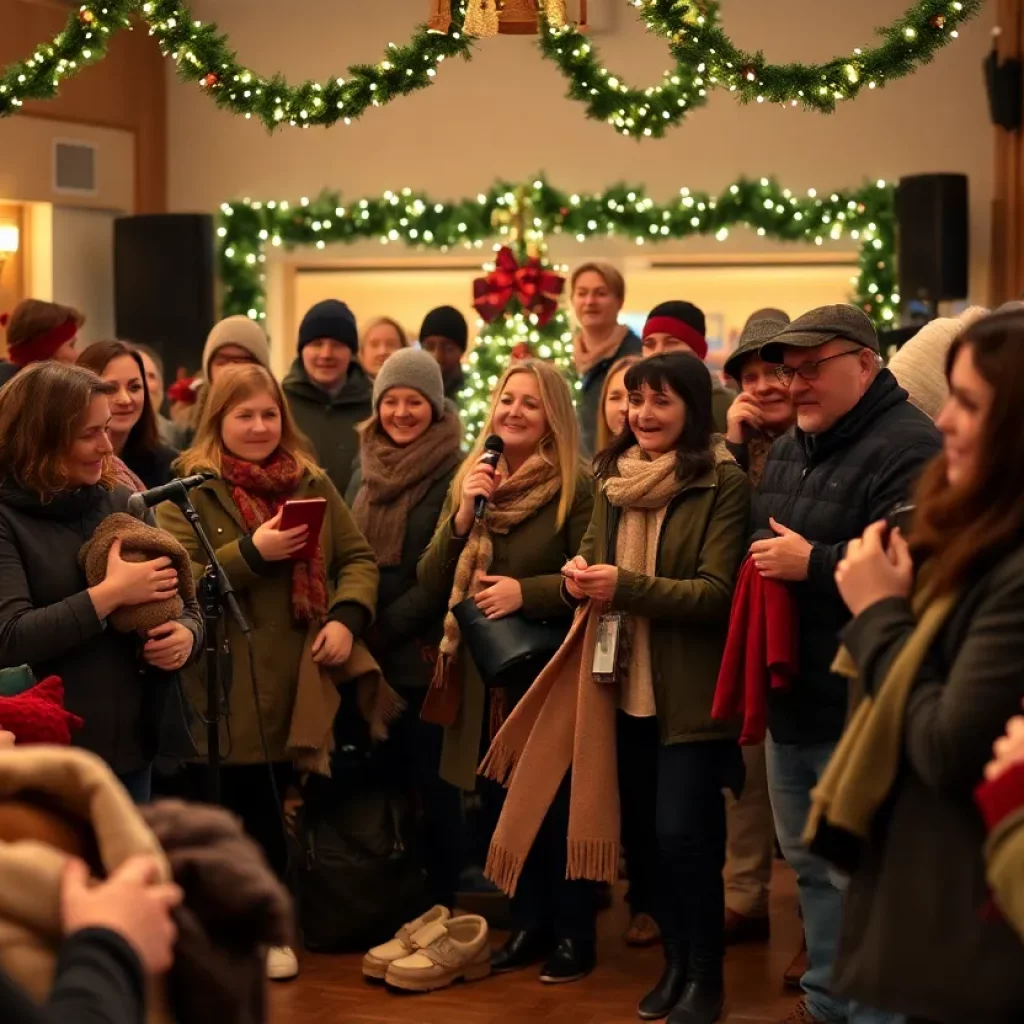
(523, 949)
(702, 999)
(658, 1003)
(572, 960)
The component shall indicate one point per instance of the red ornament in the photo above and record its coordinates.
(938, 21)
(521, 351)
(86, 17)
(210, 80)
(749, 73)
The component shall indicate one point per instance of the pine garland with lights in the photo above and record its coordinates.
(705, 58)
(866, 215)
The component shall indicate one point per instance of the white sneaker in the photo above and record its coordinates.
(282, 963)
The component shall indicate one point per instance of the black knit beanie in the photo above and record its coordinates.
(446, 322)
(329, 319)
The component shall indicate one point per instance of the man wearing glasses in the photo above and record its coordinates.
(854, 455)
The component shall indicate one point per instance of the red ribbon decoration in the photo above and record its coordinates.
(536, 289)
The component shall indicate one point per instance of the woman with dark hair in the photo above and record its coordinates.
(57, 485)
(937, 642)
(668, 533)
(133, 429)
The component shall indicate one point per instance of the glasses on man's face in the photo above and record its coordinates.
(811, 370)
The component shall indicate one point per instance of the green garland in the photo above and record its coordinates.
(704, 56)
(866, 214)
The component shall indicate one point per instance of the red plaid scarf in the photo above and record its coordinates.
(259, 491)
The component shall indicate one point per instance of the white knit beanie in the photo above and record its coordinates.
(241, 331)
(920, 365)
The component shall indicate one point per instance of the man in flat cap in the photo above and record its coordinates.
(855, 454)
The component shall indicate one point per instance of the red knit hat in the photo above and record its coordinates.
(37, 715)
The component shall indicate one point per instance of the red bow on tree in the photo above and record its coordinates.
(536, 289)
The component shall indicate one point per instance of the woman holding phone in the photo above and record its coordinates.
(260, 462)
(539, 500)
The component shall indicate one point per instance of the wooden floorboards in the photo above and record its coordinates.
(330, 989)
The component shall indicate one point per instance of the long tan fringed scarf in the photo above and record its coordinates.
(567, 721)
(586, 355)
(396, 479)
(863, 768)
(517, 497)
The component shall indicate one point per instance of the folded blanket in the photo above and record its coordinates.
(140, 542)
(37, 715)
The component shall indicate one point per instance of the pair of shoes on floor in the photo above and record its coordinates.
(569, 959)
(432, 952)
(682, 998)
(643, 931)
(797, 969)
(800, 1014)
(282, 963)
(740, 928)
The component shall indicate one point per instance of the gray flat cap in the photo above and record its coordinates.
(820, 326)
(756, 334)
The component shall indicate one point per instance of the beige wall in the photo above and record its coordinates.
(505, 115)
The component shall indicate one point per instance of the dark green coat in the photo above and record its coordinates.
(264, 593)
(534, 553)
(329, 421)
(702, 542)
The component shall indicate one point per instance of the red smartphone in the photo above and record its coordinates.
(305, 512)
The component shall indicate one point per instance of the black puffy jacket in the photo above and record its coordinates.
(829, 488)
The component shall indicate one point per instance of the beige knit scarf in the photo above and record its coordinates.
(395, 479)
(566, 721)
(587, 355)
(518, 496)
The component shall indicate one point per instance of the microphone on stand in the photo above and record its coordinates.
(174, 491)
(493, 447)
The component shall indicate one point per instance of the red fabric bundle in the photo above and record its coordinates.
(37, 715)
(761, 652)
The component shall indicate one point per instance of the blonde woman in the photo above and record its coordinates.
(614, 402)
(381, 337)
(299, 610)
(539, 502)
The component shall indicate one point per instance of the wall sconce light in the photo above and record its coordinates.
(10, 238)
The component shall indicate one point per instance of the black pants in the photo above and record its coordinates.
(245, 790)
(415, 746)
(691, 843)
(638, 788)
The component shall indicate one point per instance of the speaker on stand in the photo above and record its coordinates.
(932, 236)
(164, 285)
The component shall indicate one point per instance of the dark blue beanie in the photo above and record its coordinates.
(329, 319)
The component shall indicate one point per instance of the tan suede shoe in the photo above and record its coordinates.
(459, 950)
(380, 958)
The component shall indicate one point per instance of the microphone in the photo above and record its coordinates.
(493, 447)
(174, 491)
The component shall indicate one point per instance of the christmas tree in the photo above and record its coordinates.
(521, 316)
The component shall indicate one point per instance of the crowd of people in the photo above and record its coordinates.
(789, 602)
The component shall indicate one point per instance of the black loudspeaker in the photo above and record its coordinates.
(932, 216)
(164, 285)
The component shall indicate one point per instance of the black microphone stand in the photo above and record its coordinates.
(217, 596)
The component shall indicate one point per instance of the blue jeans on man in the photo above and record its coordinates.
(793, 771)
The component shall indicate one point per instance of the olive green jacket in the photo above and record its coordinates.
(264, 593)
(534, 553)
(702, 542)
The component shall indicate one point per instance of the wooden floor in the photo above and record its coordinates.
(331, 990)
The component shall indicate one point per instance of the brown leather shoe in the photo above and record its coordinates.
(800, 1015)
(643, 931)
(745, 928)
(797, 969)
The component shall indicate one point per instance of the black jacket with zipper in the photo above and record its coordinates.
(829, 488)
(48, 622)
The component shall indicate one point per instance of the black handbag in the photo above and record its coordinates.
(509, 652)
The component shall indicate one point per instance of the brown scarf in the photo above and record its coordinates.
(566, 721)
(758, 448)
(586, 356)
(259, 491)
(518, 497)
(396, 479)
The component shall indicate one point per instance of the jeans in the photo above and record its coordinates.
(793, 771)
(691, 844)
(638, 745)
(139, 784)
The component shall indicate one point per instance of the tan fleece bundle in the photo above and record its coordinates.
(140, 542)
(82, 788)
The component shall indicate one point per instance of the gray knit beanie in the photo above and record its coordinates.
(241, 331)
(411, 368)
